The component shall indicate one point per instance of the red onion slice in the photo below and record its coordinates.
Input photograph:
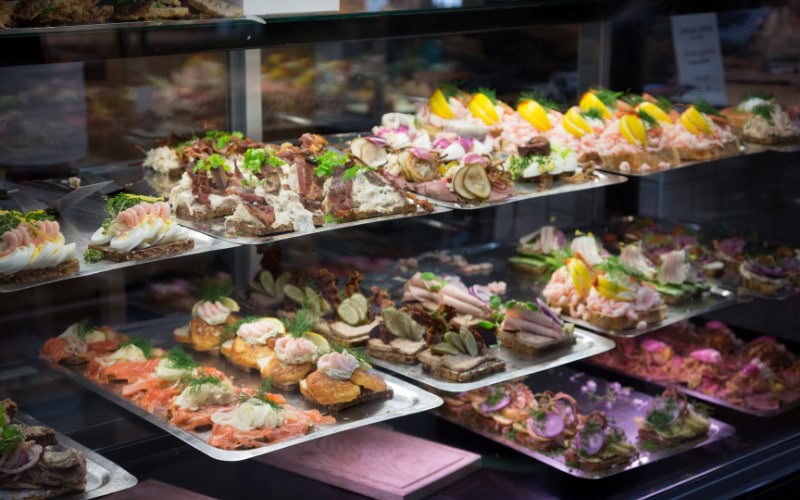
(421, 153)
(549, 427)
(590, 442)
(466, 142)
(652, 345)
(497, 406)
(442, 143)
(474, 158)
(25, 457)
(711, 356)
(481, 293)
(549, 312)
(566, 411)
(766, 271)
(378, 141)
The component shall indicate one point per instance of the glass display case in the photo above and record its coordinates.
(82, 106)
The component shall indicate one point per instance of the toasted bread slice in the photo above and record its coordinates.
(618, 323)
(686, 296)
(250, 229)
(765, 287)
(636, 160)
(171, 248)
(528, 344)
(771, 140)
(731, 148)
(204, 213)
(66, 268)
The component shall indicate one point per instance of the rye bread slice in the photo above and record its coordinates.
(250, 229)
(204, 213)
(618, 323)
(364, 397)
(686, 296)
(29, 275)
(356, 214)
(714, 152)
(771, 140)
(511, 341)
(437, 369)
(596, 466)
(762, 286)
(636, 160)
(650, 436)
(171, 248)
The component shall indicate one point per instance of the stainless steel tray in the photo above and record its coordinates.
(103, 476)
(78, 225)
(703, 396)
(529, 191)
(621, 411)
(216, 228)
(586, 344)
(744, 149)
(408, 399)
(716, 298)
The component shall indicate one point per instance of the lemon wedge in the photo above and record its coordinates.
(590, 101)
(229, 303)
(319, 341)
(535, 114)
(482, 107)
(575, 124)
(614, 290)
(657, 113)
(580, 275)
(694, 121)
(440, 106)
(632, 128)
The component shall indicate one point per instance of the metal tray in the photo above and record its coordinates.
(103, 476)
(701, 395)
(216, 228)
(586, 344)
(528, 191)
(78, 225)
(621, 411)
(744, 149)
(716, 298)
(408, 399)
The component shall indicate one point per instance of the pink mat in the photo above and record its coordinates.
(377, 462)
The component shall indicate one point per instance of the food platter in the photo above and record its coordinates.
(744, 149)
(621, 410)
(103, 476)
(586, 344)
(408, 399)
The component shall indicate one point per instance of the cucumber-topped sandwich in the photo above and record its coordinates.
(541, 252)
(671, 420)
(137, 227)
(32, 248)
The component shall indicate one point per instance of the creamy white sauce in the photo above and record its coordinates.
(250, 415)
(368, 197)
(193, 397)
(128, 353)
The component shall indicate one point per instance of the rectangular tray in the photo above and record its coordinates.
(408, 399)
(586, 344)
(216, 228)
(528, 191)
(621, 412)
(103, 476)
(701, 395)
(717, 298)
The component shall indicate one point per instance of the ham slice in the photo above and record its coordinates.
(533, 323)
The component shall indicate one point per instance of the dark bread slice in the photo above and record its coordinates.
(392, 356)
(618, 323)
(356, 214)
(250, 229)
(636, 160)
(364, 397)
(510, 341)
(533, 443)
(202, 214)
(26, 276)
(771, 140)
(651, 436)
(571, 456)
(480, 371)
(686, 296)
(171, 248)
(762, 286)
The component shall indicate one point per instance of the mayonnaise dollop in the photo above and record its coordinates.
(250, 415)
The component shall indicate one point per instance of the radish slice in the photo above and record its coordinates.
(497, 406)
(548, 312)
(549, 427)
(590, 442)
(474, 158)
(481, 293)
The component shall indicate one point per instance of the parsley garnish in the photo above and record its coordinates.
(704, 106)
(661, 420)
(221, 139)
(253, 159)
(10, 436)
(179, 359)
(332, 219)
(614, 268)
(593, 113)
(210, 163)
(433, 282)
(765, 112)
(92, 255)
(539, 98)
(495, 396)
(140, 343)
(495, 302)
(351, 172)
(328, 161)
(647, 118)
(490, 93)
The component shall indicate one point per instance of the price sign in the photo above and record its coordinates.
(699, 57)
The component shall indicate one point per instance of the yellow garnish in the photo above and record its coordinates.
(695, 122)
(614, 290)
(580, 275)
(632, 129)
(657, 113)
(590, 101)
(440, 106)
(535, 114)
(482, 107)
(575, 124)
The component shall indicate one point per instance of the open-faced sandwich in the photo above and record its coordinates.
(166, 159)
(498, 408)
(541, 252)
(701, 133)
(459, 355)
(469, 303)
(762, 120)
(580, 131)
(344, 379)
(675, 279)
(550, 424)
(137, 227)
(355, 316)
(252, 338)
(261, 418)
(541, 162)
(671, 420)
(32, 248)
(730, 251)
(530, 329)
(534, 117)
(135, 359)
(31, 458)
(599, 446)
(201, 397)
(637, 142)
(401, 334)
(81, 342)
(764, 275)
(210, 314)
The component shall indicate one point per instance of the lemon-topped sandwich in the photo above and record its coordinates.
(701, 133)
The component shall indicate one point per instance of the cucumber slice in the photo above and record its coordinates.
(361, 302)
(469, 341)
(267, 282)
(256, 287)
(454, 339)
(280, 282)
(348, 313)
(445, 348)
(294, 293)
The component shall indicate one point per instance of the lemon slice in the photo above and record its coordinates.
(229, 303)
(276, 324)
(632, 129)
(267, 282)
(348, 313)
(440, 106)
(614, 290)
(580, 276)
(482, 107)
(694, 121)
(321, 343)
(535, 114)
(575, 124)
(590, 101)
(657, 113)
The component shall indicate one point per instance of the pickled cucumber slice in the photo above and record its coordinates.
(469, 341)
(458, 185)
(477, 182)
(348, 313)
(455, 340)
(267, 282)
(295, 293)
(402, 325)
(280, 282)
(445, 348)
(256, 287)
(360, 301)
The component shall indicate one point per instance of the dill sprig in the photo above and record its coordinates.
(706, 107)
(757, 95)
(664, 104)
(92, 255)
(303, 321)
(195, 383)
(179, 359)
(262, 394)
(539, 98)
(608, 97)
(765, 111)
(615, 268)
(632, 99)
(593, 113)
(214, 289)
(140, 343)
(647, 118)
(83, 328)
(449, 89)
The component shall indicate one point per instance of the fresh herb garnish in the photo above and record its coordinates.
(706, 107)
(648, 446)
(121, 202)
(221, 139)
(10, 435)
(303, 321)
(495, 396)
(214, 289)
(83, 328)
(539, 98)
(490, 93)
(495, 302)
(433, 282)
(179, 359)
(328, 161)
(92, 255)
(632, 99)
(662, 419)
(591, 427)
(140, 343)
(234, 327)
(351, 172)
(511, 304)
(757, 95)
(647, 118)
(449, 89)
(608, 97)
(615, 269)
(211, 162)
(765, 111)
(10, 219)
(332, 219)
(194, 384)
(664, 104)
(253, 159)
(486, 325)
(263, 394)
(593, 113)
(357, 352)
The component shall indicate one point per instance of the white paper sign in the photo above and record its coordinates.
(699, 57)
(275, 7)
